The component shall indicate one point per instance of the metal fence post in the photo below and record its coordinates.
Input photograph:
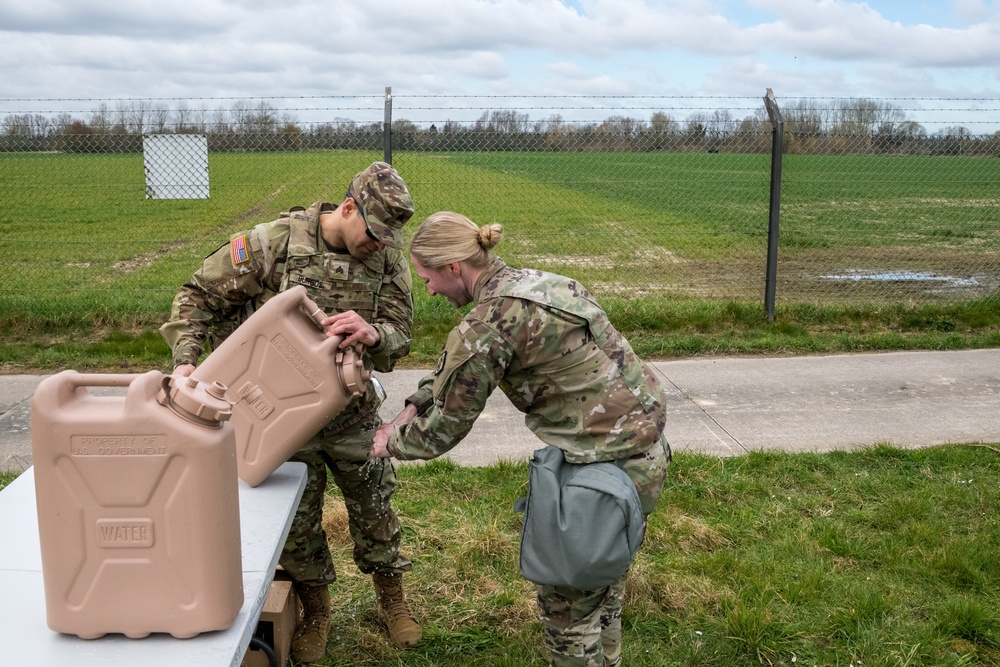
(774, 209)
(387, 126)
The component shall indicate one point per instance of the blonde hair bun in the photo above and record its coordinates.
(445, 237)
(490, 235)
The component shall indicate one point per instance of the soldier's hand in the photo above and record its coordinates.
(184, 370)
(380, 445)
(355, 328)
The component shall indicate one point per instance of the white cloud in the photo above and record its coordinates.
(207, 48)
(137, 18)
(974, 10)
(747, 76)
(852, 31)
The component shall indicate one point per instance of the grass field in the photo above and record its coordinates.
(882, 558)
(876, 558)
(656, 236)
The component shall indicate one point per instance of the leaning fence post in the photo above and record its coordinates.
(777, 148)
(387, 126)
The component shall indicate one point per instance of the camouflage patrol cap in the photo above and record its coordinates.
(384, 202)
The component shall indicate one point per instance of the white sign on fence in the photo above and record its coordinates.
(176, 166)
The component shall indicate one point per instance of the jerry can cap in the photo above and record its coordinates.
(352, 371)
(199, 400)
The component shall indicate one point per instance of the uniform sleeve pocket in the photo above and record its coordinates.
(457, 352)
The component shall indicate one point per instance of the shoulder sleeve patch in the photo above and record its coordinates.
(238, 249)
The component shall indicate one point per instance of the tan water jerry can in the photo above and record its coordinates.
(286, 380)
(138, 512)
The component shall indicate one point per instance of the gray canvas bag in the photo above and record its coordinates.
(583, 523)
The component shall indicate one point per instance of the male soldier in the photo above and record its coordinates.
(348, 258)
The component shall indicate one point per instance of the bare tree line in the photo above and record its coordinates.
(811, 126)
(143, 117)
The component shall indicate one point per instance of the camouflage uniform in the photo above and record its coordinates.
(549, 346)
(258, 264)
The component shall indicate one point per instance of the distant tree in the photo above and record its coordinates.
(991, 146)
(291, 135)
(100, 120)
(220, 122)
(753, 124)
(660, 132)
(345, 124)
(662, 123)
(130, 116)
(41, 126)
(17, 125)
(159, 119)
(955, 140)
(911, 129)
(182, 119)
(956, 132)
(261, 119)
(404, 134)
(404, 126)
(502, 121)
(803, 117)
(621, 127)
(77, 138)
(720, 124)
(867, 117)
(201, 119)
(696, 127)
(62, 122)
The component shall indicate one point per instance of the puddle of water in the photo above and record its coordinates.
(904, 276)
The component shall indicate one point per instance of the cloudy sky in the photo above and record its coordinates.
(113, 49)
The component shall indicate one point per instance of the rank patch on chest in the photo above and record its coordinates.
(339, 269)
(238, 247)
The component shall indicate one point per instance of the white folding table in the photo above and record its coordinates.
(266, 513)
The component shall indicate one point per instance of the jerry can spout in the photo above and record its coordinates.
(198, 402)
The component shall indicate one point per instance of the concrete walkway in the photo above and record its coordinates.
(724, 406)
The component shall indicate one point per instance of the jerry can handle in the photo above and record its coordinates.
(308, 307)
(313, 312)
(101, 380)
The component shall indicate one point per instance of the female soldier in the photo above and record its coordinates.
(544, 340)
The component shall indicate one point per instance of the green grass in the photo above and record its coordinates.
(657, 330)
(851, 201)
(6, 477)
(880, 556)
(672, 244)
(82, 240)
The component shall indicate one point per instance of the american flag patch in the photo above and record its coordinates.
(238, 247)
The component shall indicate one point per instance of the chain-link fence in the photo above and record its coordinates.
(881, 201)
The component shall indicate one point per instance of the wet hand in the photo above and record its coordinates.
(380, 445)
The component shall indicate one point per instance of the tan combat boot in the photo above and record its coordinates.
(309, 644)
(404, 631)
